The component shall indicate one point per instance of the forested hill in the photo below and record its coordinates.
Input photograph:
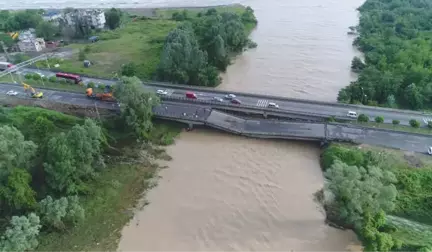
(395, 37)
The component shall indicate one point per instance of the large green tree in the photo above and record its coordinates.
(22, 234)
(136, 105)
(46, 30)
(113, 18)
(357, 190)
(15, 160)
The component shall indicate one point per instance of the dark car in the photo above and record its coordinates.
(235, 101)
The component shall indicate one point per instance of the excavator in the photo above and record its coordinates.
(33, 93)
(107, 94)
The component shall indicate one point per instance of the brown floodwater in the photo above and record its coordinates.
(223, 192)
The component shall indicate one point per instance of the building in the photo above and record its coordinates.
(28, 42)
(95, 18)
(52, 16)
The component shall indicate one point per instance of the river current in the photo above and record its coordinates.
(223, 192)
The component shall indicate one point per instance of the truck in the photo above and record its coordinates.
(106, 95)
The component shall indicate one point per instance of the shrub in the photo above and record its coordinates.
(331, 119)
(28, 76)
(62, 81)
(101, 86)
(395, 122)
(52, 79)
(91, 84)
(363, 118)
(36, 76)
(414, 123)
(81, 55)
(44, 78)
(429, 124)
(379, 119)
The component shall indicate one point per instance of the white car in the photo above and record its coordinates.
(218, 99)
(429, 150)
(352, 114)
(230, 96)
(272, 105)
(161, 92)
(12, 93)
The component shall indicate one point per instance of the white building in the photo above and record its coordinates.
(95, 18)
(29, 43)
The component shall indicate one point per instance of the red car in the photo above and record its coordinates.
(191, 95)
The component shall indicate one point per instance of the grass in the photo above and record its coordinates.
(107, 210)
(167, 13)
(139, 42)
(41, 84)
(411, 232)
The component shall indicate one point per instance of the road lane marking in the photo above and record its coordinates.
(426, 119)
(262, 103)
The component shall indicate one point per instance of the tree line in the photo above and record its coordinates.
(395, 39)
(364, 187)
(48, 160)
(201, 46)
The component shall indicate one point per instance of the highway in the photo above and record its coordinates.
(196, 114)
(260, 101)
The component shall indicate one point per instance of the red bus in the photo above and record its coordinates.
(76, 78)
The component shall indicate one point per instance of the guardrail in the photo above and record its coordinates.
(252, 109)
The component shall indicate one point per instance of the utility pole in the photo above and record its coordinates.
(5, 51)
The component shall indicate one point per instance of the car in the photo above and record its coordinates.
(12, 93)
(191, 95)
(230, 96)
(161, 92)
(235, 101)
(272, 105)
(218, 99)
(352, 114)
(429, 151)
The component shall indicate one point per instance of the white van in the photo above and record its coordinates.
(352, 114)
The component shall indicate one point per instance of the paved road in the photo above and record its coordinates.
(252, 127)
(404, 116)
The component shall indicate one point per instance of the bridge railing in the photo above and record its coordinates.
(254, 109)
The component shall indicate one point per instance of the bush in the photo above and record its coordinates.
(363, 118)
(36, 77)
(91, 84)
(429, 124)
(87, 49)
(52, 79)
(101, 86)
(62, 81)
(414, 123)
(28, 76)
(44, 78)
(81, 55)
(70, 82)
(331, 119)
(379, 119)
(395, 122)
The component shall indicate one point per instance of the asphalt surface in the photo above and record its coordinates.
(404, 116)
(258, 127)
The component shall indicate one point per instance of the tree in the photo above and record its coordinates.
(358, 190)
(363, 118)
(182, 61)
(357, 64)
(59, 165)
(379, 119)
(129, 69)
(59, 213)
(113, 17)
(46, 30)
(15, 156)
(22, 234)
(136, 105)
(395, 122)
(23, 20)
(7, 40)
(414, 123)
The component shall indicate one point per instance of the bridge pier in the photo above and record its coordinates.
(190, 127)
(265, 115)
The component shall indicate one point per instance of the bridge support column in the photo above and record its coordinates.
(190, 127)
(265, 115)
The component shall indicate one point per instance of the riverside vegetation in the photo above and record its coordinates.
(188, 47)
(66, 183)
(384, 197)
(395, 37)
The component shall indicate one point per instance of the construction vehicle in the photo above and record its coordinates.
(33, 93)
(107, 95)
